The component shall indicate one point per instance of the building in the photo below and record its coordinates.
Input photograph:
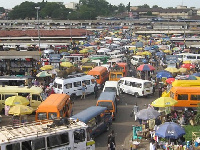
(71, 5)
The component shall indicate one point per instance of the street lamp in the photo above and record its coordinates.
(70, 29)
(38, 8)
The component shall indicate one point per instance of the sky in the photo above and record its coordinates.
(8, 4)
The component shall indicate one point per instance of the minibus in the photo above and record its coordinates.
(137, 60)
(96, 119)
(36, 94)
(136, 87)
(186, 96)
(112, 86)
(104, 59)
(55, 106)
(191, 57)
(101, 74)
(72, 85)
(109, 100)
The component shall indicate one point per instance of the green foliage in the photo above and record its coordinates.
(2, 10)
(197, 116)
(86, 10)
(144, 6)
(189, 129)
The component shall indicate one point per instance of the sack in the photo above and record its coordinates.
(131, 114)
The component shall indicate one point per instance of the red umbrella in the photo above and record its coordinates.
(145, 67)
(188, 66)
(170, 80)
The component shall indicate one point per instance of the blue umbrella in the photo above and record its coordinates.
(170, 130)
(196, 74)
(87, 44)
(147, 48)
(160, 54)
(165, 74)
(191, 77)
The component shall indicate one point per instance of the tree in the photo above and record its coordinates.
(155, 6)
(2, 10)
(144, 6)
(128, 7)
(197, 117)
(121, 8)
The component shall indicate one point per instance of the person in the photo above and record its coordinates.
(111, 141)
(7, 108)
(152, 145)
(83, 91)
(135, 110)
(95, 90)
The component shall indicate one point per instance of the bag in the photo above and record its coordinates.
(131, 114)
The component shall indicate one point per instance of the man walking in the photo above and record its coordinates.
(135, 110)
(95, 91)
(83, 91)
(111, 141)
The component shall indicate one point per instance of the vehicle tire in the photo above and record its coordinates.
(136, 95)
(73, 97)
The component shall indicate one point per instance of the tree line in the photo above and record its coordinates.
(85, 10)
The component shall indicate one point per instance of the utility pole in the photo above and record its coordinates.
(38, 8)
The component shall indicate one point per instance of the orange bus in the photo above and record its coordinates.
(118, 72)
(124, 66)
(186, 96)
(100, 73)
(55, 106)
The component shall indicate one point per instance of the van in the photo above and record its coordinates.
(100, 73)
(112, 86)
(55, 106)
(109, 100)
(96, 119)
(186, 97)
(137, 60)
(36, 95)
(136, 87)
(72, 85)
(103, 51)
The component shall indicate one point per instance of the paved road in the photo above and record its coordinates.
(123, 123)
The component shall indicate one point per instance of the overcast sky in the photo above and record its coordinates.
(162, 3)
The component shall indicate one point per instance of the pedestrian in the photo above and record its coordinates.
(111, 141)
(135, 110)
(152, 145)
(95, 90)
(83, 91)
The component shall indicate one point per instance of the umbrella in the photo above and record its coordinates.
(182, 70)
(170, 130)
(20, 110)
(181, 77)
(76, 48)
(46, 67)
(196, 74)
(188, 66)
(160, 54)
(43, 74)
(164, 102)
(87, 44)
(176, 48)
(171, 69)
(145, 67)
(187, 62)
(146, 53)
(146, 114)
(66, 64)
(65, 54)
(168, 51)
(139, 53)
(170, 80)
(163, 73)
(83, 51)
(191, 77)
(16, 100)
(147, 48)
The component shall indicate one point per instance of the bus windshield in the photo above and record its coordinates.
(106, 104)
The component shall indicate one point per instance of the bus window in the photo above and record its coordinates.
(113, 76)
(182, 96)
(8, 95)
(92, 122)
(64, 139)
(59, 86)
(119, 75)
(68, 85)
(79, 136)
(77, 84)
(87, 82)
(52, 115)
(26, 145)
(53, 141)
(61, 113)
(38, 143)
(138, 85)
(195, 97)
(36, 97)
(14, 146)
(42, 116)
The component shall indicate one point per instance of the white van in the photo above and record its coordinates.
(111, 86)
(136, 87)
(73, 85)
(103, 51)
(137, 60)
